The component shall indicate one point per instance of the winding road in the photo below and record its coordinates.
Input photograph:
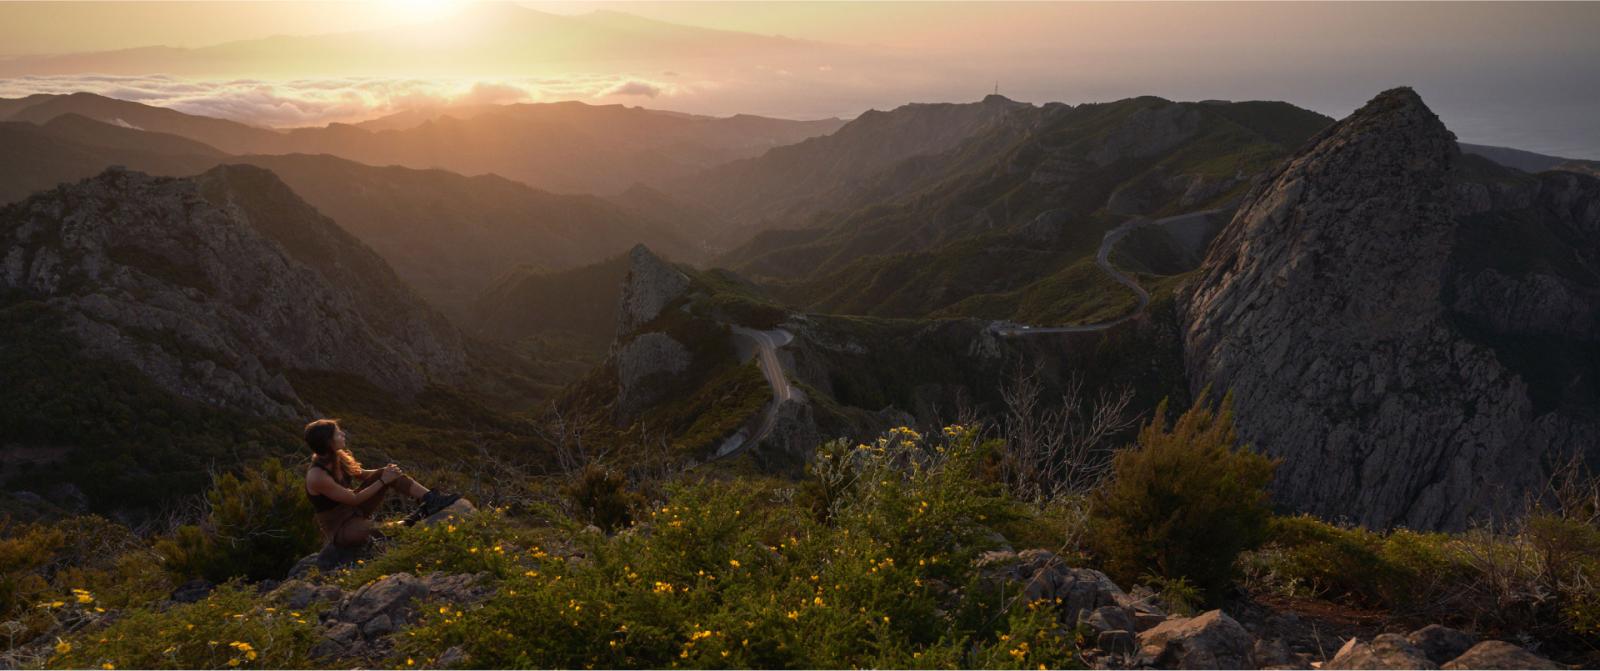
(1102, 258)
(767, 344)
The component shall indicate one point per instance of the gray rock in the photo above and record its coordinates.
(1116, 642)
(1042, 576)
(1211, 640)
(377, 626)
(1275, 654)
(207, 284)
(646, 365)
(461, 508)
(1321, 306)
(340, 640)
(192, 591)
(393, 595)
(650, 286)
(1500, 655)
(1107, 618)
(1387, 651)
(1440, 643)
(451, 657)
(296, 594)
(458, 588)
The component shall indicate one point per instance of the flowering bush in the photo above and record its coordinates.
(228, 629)
(733, 574)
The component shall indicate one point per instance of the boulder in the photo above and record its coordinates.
(1387, 651)
(1440, 643)
(193, 591)
(341, 639)
(1116, 642)
(1276, 654)
(330, 558)
(461, 508)
(393, 595)
(451, 657)
(378, 626)
(1107, 618)
(1500, 655)
(1211, 640)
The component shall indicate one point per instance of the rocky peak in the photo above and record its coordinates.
(1319, 307)
(650, 285)
(214, 286)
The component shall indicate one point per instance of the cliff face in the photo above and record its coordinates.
(216, 285)
(1367, 314)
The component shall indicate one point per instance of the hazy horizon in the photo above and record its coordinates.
(1512, 74)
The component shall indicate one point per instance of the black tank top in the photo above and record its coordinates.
(320, 502)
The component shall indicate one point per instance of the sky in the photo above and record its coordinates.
(1525, 75)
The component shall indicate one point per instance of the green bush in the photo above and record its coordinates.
(1183, 503)
(257, 524)
(71, 570)
(231, 628)
(736, 574)
(600, 496)
(1305, 556)
(481, 541)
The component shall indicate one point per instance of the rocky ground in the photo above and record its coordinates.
(1133, 630)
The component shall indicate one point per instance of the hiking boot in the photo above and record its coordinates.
(432, 502)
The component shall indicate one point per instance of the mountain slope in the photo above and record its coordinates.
(999, 222)
(1325, 308)
(217, 286)
(564, 146)
(787, 184)
(35, 158)
(447, 235)
(451, 236)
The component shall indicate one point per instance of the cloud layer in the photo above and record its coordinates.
(316, 102)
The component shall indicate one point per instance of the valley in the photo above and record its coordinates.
(1345, 353)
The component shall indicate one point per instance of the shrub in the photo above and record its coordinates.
(482, 541)
(71, 570)
(1305, 556)
(257, 524)
(1183, 503)
(228, 629)
(601, 497)
(735, 574)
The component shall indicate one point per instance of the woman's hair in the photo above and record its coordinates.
(319, 437)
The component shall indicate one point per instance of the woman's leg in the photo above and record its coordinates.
(403, 484)
(354, 533)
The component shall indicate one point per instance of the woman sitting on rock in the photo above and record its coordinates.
(345, 515)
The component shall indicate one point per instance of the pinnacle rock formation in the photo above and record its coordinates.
(1325, 308)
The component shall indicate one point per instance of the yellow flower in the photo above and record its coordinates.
(410, 661)
(794, 615)
(734, 563)
(63, 647)
(233, 662)
(108, 666)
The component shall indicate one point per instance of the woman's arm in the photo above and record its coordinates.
(324, 484)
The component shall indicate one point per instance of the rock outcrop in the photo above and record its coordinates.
(650, 285)
(214, 286)
(1211, 640)
(1499, 655)
(1323, 308)
(1387, 651)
